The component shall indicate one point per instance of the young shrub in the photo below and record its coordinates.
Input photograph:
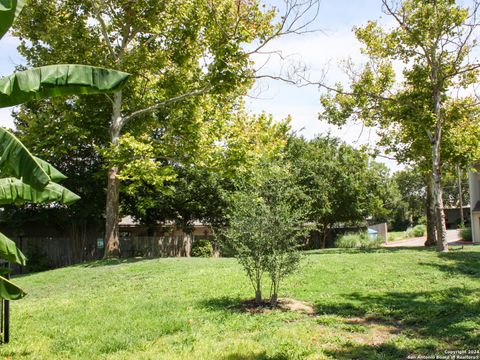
(266, 226)
(358, 240)
(349, 241)
(417, 231)
(391, 238)
(202, 248)
(466, 234)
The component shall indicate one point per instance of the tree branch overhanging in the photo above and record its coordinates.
(165, 103)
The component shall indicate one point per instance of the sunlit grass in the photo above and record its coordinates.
(383, 303)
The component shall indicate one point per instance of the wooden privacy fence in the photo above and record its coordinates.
(53, 252)
(156, 246)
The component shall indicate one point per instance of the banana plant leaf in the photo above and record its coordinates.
(9, 10)
(10, 291)
(10, 252)
(58, 80)
(54, 174)
(17, 161)
(14, 191)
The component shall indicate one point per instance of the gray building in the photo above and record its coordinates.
(474, 182)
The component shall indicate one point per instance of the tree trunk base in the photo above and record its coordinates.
(430, 242)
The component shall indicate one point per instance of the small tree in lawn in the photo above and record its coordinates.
(266, 225)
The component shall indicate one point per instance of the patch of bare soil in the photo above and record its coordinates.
(283, 304)
(295, 305)
(377, 333)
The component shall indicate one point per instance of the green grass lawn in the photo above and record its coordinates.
(379, 304)
(397, 236)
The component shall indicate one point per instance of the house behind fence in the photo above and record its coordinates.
(47, 247)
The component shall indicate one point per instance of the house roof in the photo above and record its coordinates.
(130, 221)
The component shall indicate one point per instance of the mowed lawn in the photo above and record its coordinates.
(380, 304)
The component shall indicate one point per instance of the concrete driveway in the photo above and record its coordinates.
(453, 238)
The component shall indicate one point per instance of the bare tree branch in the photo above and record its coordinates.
(165, 103)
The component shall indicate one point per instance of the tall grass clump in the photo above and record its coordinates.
(417, 231)
(466, 234)
(358, 240)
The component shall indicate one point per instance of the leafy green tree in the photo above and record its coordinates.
(181, 53)
(40, 125)
(266, 227)
(30, 179)
(413, 191)
(199, 187)
(434, 41)
(344, 187)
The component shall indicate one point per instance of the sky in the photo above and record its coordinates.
(321, 52)
(318, 50)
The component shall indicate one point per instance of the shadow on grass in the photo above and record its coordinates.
(451, 315)
(224, 303)
(238, 305)
(111, 262)
(89, 264)
(382, 351)
(6, 354)
(459, 263)
(335, 251)
(256, 356)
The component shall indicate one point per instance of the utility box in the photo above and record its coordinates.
(372, 234)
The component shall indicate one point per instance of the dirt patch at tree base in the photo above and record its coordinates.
(284, 304)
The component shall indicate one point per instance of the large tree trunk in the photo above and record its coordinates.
(442, 244)
(430, 212)
(324, 235)
(187, 244)
(460, 197)
(112, 248)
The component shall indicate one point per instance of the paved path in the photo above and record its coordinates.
(453, 238)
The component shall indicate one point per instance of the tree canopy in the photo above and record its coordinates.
(417, 111)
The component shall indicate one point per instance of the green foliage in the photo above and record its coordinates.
(466, 234)
(9, 10)
(265, 228)
(58, 80)
(359, 240)
(417, 231)
(37, 259)
(191, 63)
(17, 161)
(202, 248)
(396, 236)
(14, 191)
(404, 110)
(10, 252)
(137, 161)
(32, 179)
(31, 182)
(343, 185)
(197, 186)
(412, 202)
